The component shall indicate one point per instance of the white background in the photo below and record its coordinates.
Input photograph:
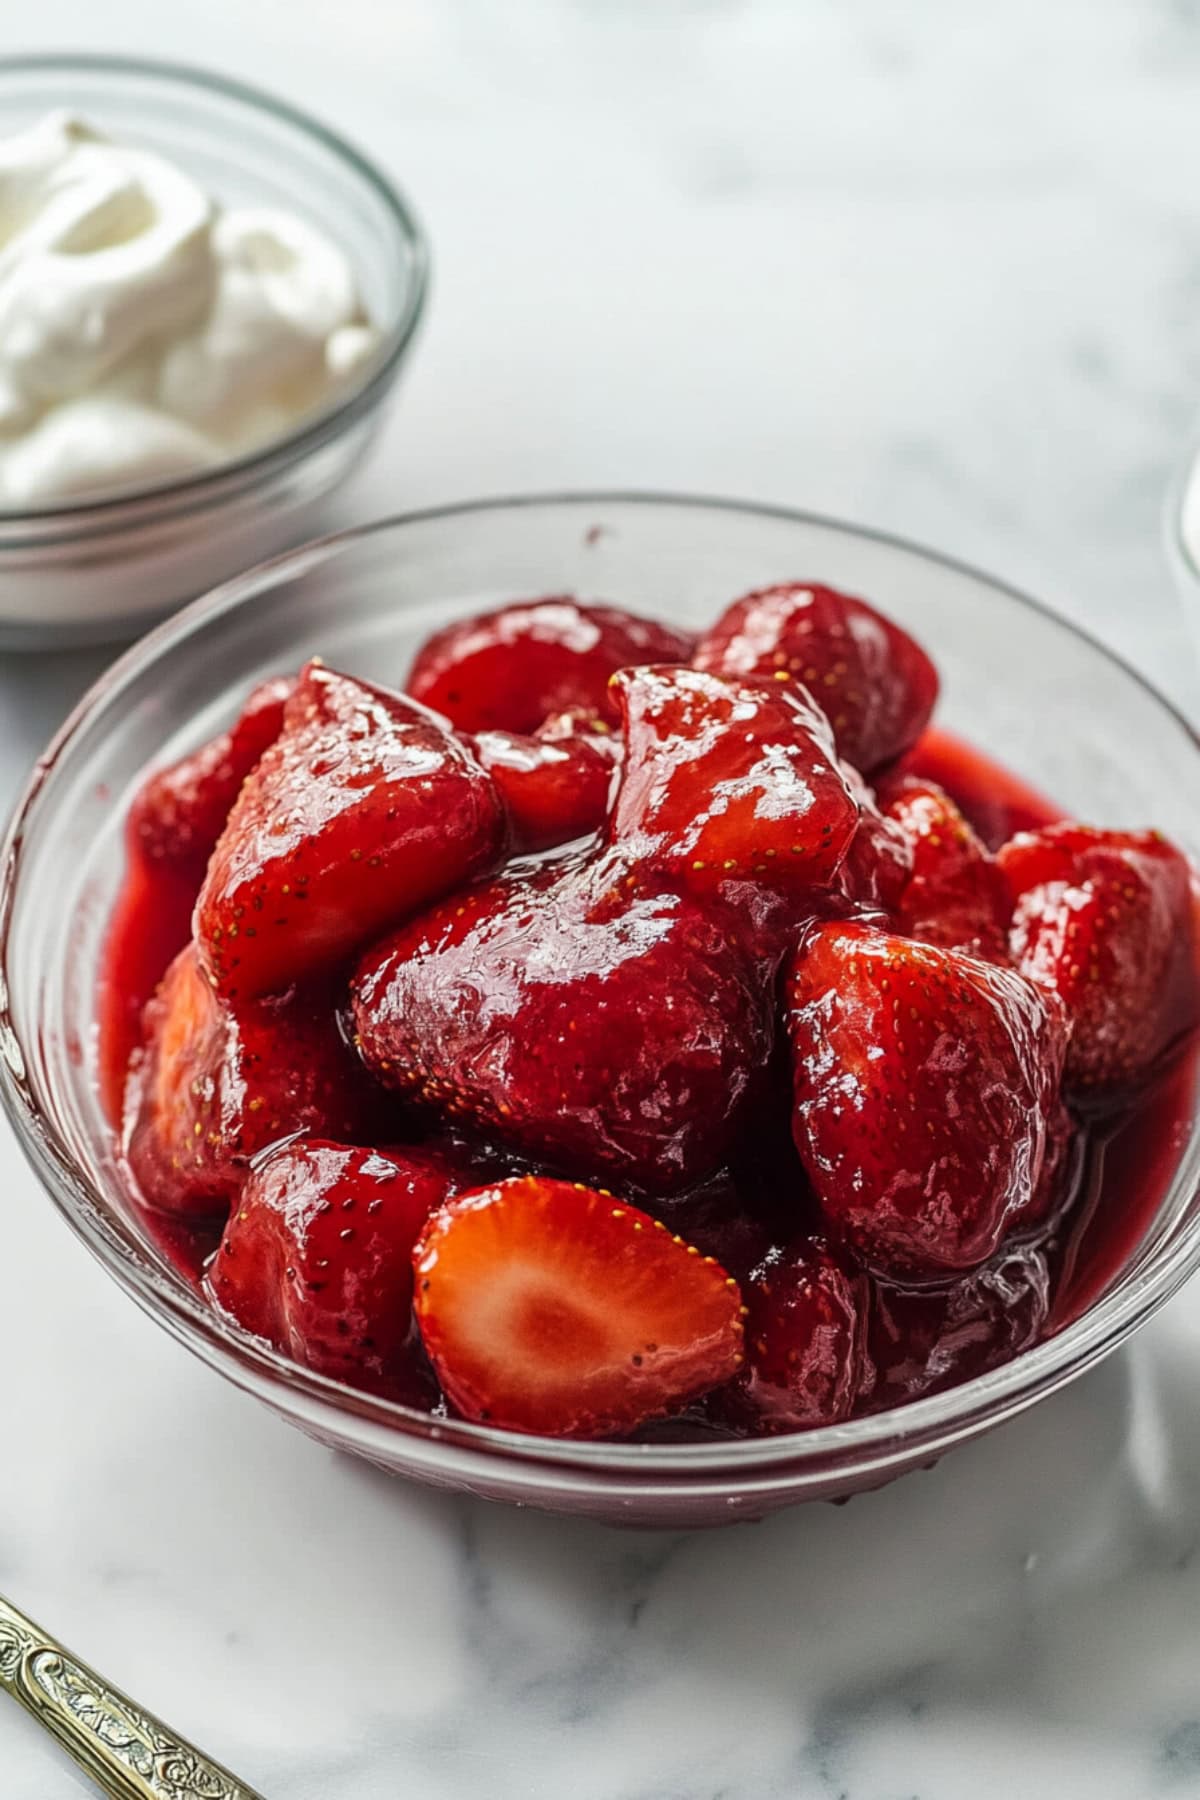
(934, 267)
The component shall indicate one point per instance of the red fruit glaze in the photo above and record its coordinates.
(923, 1083)
(179, 813)
(508, 670)
(921, 1342)
(723, 782)
(553, 791)
(805, 1341)
(955, 896)
(997, 803)
(552, 1308)
(364, 810)
(876, 684)
(607, 1030)
(1104, 919)
(215, 1085)
(317, 1257)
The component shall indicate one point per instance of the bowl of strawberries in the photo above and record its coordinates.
(644, 1007)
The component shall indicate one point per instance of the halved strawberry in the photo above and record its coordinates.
(553, 791)
(876, 684)
(509, 669)
(364, 810)
(179, 812)
(724, 782)
(317, 1257)
(956, 895)
(575, 1017)
(1104, 919)
(214, 1085)
(924, 1080)
(553, 1308)
(806, 1314)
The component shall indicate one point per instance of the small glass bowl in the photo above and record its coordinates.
(99, 571)
(1022, 684)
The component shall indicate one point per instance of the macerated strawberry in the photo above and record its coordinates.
(215, 1084)
(724, 782)
(553, 1308)
(364, 810)
(576, 1017)
(876, 684)
(317, 1257)
(956, 896)
(924, 1080)
(179, 812)
(508, 670)
(806, 1315)
(553, 790)
(923, 1340)
(1104, 919)
(879, 861)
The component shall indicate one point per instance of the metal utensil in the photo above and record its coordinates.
(128, 1753)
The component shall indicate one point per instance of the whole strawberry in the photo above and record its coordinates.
(363, 810)
(925, 1082)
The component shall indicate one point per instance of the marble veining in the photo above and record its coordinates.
(936, 268)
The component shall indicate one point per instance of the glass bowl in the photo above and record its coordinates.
(1024, 685)
(98, 571)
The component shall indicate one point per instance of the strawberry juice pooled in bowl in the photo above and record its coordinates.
(626, 1035)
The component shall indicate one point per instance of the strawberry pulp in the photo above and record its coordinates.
(887, 1332)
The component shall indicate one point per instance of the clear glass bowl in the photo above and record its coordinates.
(1025, 686)
(98, 571)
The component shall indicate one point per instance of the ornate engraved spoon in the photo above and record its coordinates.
(128, 1753)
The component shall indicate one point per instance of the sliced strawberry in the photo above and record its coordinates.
(553, 791)
(922, 1341)
(956, 896)
(578, 1019)
(552, 1308)
(508, 670)
(806, 1313)
(876, 684)
(1104, 919)
(924, 1080)
(214, 1085)
(317, 1257)
(364, 810)
(723, 783)
(179, 813)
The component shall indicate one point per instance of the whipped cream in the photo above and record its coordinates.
(145, 332)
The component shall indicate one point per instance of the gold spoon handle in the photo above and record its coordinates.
(128, 1753)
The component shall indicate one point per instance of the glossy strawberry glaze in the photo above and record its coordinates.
(1120, 1173)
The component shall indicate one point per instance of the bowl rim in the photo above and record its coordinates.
(183, 494)
(252, 1364)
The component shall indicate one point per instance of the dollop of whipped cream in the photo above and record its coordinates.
(147, 333)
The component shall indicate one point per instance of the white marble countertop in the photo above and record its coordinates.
(933, 267)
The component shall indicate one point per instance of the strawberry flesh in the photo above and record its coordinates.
(553, 1308)
(576, 1018)
(553, 790)
(508, 670)
(364, 810)
(723, 783)
(924, 1080)
(1104, 920)
(215, 1084)
(317, 1258)
(875, 683)
(179, 812)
